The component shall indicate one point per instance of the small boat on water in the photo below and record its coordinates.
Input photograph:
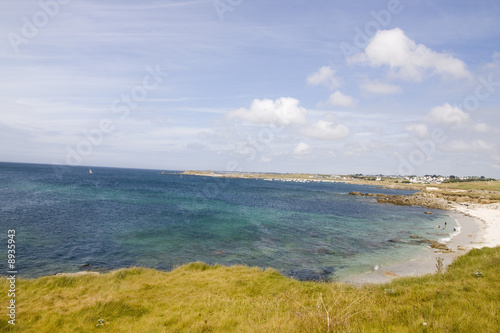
(90, 171)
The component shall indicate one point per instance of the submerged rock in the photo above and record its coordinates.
(321, 275)
(368, 194)
(410, 242)
(323, 250)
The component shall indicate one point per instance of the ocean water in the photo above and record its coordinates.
(67, 220)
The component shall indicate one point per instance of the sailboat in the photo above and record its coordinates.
(90, 171)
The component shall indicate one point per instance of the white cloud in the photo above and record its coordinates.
(454, 116)
(324, 76)
(376, 87)
(459, 146)
(302, 149)
(326, 130)
(482, 127)
(420, 130)
(41, 117)
(339, 99)
(408, 60)
(284, 111)
(448, 115)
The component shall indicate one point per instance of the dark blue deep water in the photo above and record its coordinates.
(67, 220)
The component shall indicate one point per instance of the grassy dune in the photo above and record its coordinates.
(202, 298)
(486, 186)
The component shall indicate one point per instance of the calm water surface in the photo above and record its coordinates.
(67, 218)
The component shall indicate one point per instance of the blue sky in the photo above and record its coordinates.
(393, 87)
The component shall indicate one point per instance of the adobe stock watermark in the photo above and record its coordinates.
(261, 142)
(121, 107)
(381, 19)
(223, 6)
(31, 27)
(425, 148)
(482, 92)
(11, 277)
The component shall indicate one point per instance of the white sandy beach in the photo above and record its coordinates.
(489, 218)
(480, 227)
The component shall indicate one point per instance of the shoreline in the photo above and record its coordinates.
(488, 217)
(479, 227)
(475, 222)
(479, 222)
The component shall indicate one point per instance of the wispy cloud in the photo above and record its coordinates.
(325, 130)
(380, 88)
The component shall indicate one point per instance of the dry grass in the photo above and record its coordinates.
(202, 298)
(487, 186)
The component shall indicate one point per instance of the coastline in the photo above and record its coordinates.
(479, 227)
(488, 216)
(475, 207)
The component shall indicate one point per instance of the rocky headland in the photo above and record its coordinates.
(424, 199)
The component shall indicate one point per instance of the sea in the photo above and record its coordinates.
(67, 219)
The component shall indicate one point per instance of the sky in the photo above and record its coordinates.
(372, 87)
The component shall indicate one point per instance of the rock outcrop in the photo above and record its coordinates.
(429, 200)
(368, 194)
(439, 246)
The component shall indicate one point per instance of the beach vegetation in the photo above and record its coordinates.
(439, 265)
(472, 185)
(202, 298)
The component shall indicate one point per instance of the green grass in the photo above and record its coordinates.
(202, 298)
(487, 186)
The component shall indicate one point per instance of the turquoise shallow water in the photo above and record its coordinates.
(113, 218)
